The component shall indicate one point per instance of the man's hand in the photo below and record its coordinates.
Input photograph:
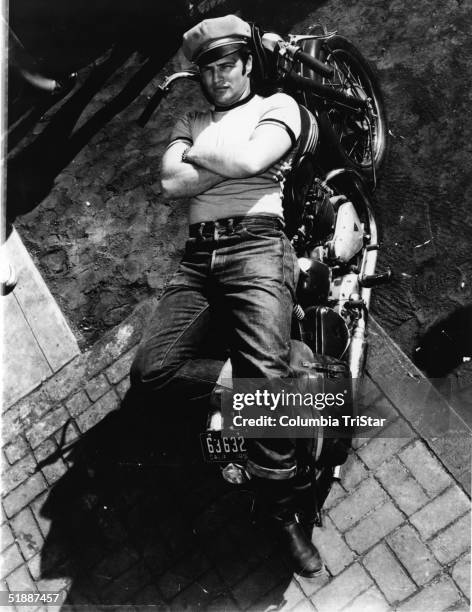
(184, 179)
(267, 145)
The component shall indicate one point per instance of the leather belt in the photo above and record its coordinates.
(211, 229)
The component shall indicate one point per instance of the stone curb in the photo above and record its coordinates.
(429, 414)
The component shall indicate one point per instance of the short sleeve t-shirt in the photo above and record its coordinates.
(260, 194)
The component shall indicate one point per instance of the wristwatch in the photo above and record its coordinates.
(185, 153)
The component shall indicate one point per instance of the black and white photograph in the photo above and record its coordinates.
(236, 305)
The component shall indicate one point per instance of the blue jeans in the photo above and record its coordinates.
(244, 280)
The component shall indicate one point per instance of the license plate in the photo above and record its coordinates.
(218, 448)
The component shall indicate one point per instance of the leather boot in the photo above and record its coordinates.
(303, 553)
(277, 498)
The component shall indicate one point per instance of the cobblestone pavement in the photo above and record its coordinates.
(121, 521)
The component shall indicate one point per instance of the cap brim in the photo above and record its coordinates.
(216, 53)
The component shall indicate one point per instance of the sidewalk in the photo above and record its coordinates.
(396, 531)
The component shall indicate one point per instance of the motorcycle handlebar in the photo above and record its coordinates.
(314, 64)
(350, 102)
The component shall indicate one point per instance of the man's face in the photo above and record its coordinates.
(226, 80)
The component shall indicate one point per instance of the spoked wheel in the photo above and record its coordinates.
(365, 135)
(360, 136)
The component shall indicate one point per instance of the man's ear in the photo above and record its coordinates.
(249, 65)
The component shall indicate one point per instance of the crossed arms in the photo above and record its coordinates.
(206, 166)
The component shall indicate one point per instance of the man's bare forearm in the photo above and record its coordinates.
(234, 162)
(189, 181)
(181, 179)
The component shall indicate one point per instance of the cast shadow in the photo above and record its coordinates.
(31, 173)
(112, 31)
(445, 344)
(140, 519)
(56, 39)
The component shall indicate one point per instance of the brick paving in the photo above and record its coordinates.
(126, 522)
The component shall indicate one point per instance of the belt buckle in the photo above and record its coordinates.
(219, 224)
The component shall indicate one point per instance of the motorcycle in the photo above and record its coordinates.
(327, 198)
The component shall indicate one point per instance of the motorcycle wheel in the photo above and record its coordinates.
(352, 134)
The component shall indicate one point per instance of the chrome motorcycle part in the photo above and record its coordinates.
(162, 90)
(318, 253)
(235, 474)
(184, 74)
(304, 263)
(270, 40)
(342, 288)
(298, 38)
(337, 473)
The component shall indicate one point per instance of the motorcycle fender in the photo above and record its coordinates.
(348, 237)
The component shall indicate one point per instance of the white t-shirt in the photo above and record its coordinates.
(260, 194)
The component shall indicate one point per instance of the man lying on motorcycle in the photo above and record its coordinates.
(238, 263)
